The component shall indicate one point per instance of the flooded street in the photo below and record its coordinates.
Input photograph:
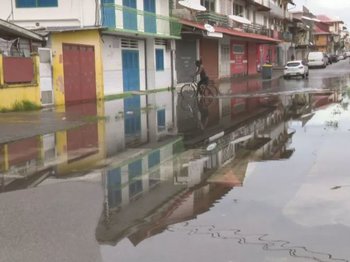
(258, 173)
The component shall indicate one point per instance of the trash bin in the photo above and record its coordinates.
(266, 71)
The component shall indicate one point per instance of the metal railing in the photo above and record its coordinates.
(213, 18)
(123, 18)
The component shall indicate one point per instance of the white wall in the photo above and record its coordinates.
(163, 78)
(68, 13)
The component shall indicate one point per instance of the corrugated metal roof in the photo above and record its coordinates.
(8, 29)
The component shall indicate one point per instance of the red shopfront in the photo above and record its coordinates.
(266, 53)
(239, 58)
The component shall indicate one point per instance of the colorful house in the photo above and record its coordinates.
(70, 62)
(232, 38)
(16, 54)
(137, 45)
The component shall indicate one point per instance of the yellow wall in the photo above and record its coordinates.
(10, 94)
(85, 163)
(85, 37)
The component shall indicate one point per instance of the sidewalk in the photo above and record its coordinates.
(16, 126)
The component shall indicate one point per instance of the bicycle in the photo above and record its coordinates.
(193, 89)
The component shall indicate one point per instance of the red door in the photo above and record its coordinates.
(239, 58)
(209, 53)
(79, 73)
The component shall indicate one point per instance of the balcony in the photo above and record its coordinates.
(256, 29)
(276, 10)
(261, 5)
(131, 20)
(213, 18)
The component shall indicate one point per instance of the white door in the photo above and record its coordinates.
(225, 61)
(46, 86)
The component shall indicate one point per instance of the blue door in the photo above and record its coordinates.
(131, 79)
(108, 13)
(131, 70)
(150, 16)
(132, 116)
(135, 176)
(130, 14)
(114, 184)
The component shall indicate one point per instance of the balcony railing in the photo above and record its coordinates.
(127, 19)
(256, 29)
(213, 18)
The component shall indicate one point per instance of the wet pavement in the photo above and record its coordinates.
(258, 177)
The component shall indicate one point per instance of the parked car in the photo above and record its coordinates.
(341, 57)
(296, 68)
(317, 59)
(334, 58)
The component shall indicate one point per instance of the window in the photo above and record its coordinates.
(209, 4)
(161, 119)
(159, 59)
(36, 3)
(238, 10)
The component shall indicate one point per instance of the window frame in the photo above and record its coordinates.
(36, 4)
(161, 116)
(160, 63)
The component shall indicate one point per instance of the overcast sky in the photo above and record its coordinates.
(333, 8)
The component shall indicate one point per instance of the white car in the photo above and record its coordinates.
(317, 59)
(296, 68)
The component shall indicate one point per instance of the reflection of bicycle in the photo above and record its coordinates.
(196, 108)
(192, 89)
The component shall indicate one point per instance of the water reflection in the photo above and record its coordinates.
(158, 171)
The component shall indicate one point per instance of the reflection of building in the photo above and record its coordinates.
(26, 163)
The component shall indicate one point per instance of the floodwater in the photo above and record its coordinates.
(165, 177)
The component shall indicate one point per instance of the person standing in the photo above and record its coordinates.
(204, 79)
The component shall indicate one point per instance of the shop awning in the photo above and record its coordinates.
(11, 30)
(232, 32)
(239, 19)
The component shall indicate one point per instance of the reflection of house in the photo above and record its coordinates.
(145, 178)
(26, 163)
(16, 55)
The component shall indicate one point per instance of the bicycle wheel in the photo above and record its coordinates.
(207, 96)
(187, 90)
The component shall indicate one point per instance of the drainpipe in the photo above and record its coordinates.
(146, 88)
(172, 87)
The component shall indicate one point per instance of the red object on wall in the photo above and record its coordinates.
(82, 141)
(79, 73)
(23, 150)
(18, 70)
(210, 57)
(239, 58)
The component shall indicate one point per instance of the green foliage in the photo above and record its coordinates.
(21, 106)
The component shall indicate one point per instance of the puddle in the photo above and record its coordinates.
(259, 177)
